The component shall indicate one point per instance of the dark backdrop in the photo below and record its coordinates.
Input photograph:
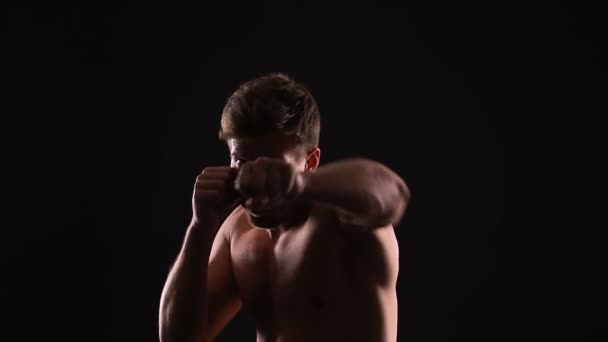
(111, 110)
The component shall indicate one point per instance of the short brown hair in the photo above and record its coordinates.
(269, 103)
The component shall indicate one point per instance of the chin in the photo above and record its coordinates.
(268, 222)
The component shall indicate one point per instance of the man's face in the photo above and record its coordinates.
(276, 146)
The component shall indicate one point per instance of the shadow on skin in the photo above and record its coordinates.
(359, 268)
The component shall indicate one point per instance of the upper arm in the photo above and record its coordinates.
(387, 259)
(223, 301)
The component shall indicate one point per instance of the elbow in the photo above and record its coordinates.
(403, 194)
(392, 206)
(401, 203)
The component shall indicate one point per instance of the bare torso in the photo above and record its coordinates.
(318, 281)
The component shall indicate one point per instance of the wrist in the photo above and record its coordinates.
(204, 229)
(197, 243)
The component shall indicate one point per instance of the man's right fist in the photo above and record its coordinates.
(214, 195)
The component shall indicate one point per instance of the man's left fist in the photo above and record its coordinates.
(268, 181)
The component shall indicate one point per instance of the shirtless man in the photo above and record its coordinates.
(308, 252)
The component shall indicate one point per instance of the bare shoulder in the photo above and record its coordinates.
(235, 224)
(369, 250)
(378, 252)
(388, 249)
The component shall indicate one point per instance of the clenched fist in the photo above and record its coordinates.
(266, 183)
(214, 195)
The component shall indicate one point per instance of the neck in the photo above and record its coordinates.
(295, 215)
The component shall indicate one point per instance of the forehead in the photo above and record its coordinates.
(271, 145)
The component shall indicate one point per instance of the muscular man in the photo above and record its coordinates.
(308, 252)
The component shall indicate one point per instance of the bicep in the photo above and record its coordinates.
(388, 258)
(223, 301)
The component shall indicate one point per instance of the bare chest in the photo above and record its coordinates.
(300, 272)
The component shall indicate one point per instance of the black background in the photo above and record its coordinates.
(111, 110)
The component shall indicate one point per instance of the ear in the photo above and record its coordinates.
(313, 159)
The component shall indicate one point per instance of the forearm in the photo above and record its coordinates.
(183, 307)
(366, 190)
